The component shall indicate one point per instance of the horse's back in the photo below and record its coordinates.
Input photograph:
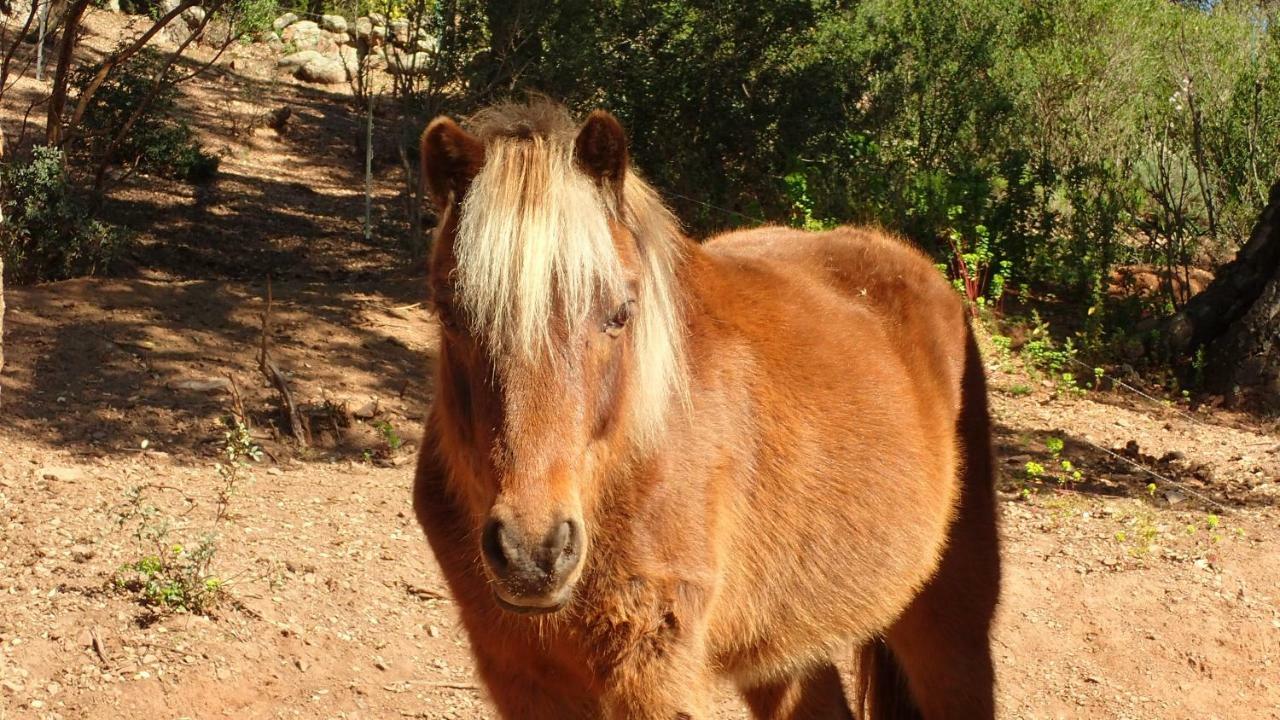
(898, 283)
(854, 346)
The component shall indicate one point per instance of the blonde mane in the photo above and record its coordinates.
(534, 243)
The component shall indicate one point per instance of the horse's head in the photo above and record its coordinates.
(552, 274)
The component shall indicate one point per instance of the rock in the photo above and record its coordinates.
(334, 23)
(284, 21)
(193, 16)
(203, 385)
(378, 18)
(300, 31)
(266, 36)
(405, 64)
(349, 58)
(298, 59)
(400, 31)
(168, 6)
(112, 6)
(82, 553)
(323, 71)
(61, 474)
(366, 411)
(363, 28)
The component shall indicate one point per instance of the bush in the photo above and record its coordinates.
(155, 141)
(254, 16)
(47, 234)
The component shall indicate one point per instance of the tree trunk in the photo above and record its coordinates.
(1235, 321)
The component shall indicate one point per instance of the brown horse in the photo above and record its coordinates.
(653, 464)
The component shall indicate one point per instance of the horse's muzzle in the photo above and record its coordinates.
(532, 574)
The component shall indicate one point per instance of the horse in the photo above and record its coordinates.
(653, 466)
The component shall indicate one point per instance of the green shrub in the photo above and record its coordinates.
(47, 235)
(157, 141)
(254, 16)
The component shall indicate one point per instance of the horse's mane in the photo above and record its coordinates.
(534, 243)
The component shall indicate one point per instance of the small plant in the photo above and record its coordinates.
(1034, 470)
(171, 575)
(1019, 390)
(391, 441)
(973, 268)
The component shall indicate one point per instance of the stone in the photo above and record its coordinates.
(322, 71)
(409, 64)
(334, 23)
(168, 6)
(366, 411)
(284, 21)
(298, 59)
(203, 384)
(363, 28)
(300, 29)
(194, 16)
(61, 474)
(266, 36)
(400, 31)
(378, 18)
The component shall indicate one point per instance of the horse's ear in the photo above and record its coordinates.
(451, 158)
(601, 150)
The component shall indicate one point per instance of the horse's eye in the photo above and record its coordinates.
(613, 326)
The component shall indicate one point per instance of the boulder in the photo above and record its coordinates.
(363, 28)
(284, 21)
(378, 18)
(334, 23)
(323, 71)
(168, 6)
(193, 16)
(408, 63)
(400, 31)
(298, 59)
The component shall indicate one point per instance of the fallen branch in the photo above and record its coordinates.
(276, 378)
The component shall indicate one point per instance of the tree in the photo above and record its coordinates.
(1232, 328)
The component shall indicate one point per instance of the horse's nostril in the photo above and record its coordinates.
(562, 548)
(494, 544)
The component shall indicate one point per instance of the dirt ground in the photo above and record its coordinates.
(1127, 594)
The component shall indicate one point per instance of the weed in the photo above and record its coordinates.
(170, 574)
(390, 438)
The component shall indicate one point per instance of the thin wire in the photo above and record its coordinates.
(727, 211)
(1163, 403)
(1157, 475)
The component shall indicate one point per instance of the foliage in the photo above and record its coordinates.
(253, 16)
(1027, 144)
(47, 235)
(132, 121)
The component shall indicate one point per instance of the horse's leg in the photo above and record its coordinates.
(660, 686)
(943, 640)
(817, 694)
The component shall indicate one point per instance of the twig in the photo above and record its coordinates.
(276, 378)
(237, 404)
(99, 647)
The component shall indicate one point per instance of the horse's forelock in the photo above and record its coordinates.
(534, 246)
